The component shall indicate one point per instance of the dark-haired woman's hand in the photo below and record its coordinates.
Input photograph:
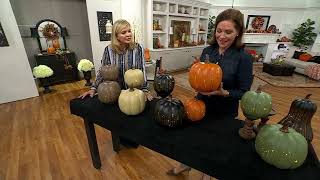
(219, 92)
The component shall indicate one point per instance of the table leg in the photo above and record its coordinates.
(92, 141)
(115, 141)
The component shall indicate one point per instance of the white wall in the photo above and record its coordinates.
(15, 73)
(92, 7)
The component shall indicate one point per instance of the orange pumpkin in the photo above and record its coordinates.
(205, 77)
(51, 50)
(195, 109)
(305, 57)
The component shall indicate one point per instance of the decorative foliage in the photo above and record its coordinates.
(304, 35)
(85, 65)
(280, 146)
(256, 104)
(50, 32)
(211, 26)
(132, 101)
(109, 91)
(279, 60)
(300, 115)
(42, 71)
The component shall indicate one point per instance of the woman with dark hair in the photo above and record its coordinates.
(227, 50)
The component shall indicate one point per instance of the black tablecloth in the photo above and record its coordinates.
(212, 145)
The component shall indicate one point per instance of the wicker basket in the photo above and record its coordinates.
(278, 70)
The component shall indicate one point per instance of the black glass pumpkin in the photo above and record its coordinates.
(300, 115)
(169, 112)
(163, 84)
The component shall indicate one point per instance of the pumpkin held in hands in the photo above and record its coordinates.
(281, 146)
(110, 73)
(205, 77)
(300, 115)
(256, 104)
(169, 112)
(195, 109)
(109, 91)
(134, 78)
(132, 101)
(163, 84)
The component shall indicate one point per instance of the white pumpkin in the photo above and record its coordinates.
(132, 101)
(134, 78)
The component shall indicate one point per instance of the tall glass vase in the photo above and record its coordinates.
(87, 77)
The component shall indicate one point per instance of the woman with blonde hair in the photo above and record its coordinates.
(125, 54)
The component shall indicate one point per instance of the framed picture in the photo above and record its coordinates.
(103, 17)
(259, 22)
(3, 38)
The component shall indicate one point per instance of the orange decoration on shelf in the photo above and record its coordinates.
(205, 77)
(305, 57)
(56, 44)
(195, 109)
(147, 54)
(51, 50)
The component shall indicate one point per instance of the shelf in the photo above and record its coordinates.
(203, 17)
(202, 32)
(160, 13)
(182, 15)
(159, 32)
(180, 48)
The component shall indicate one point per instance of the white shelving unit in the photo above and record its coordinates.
(161, 15)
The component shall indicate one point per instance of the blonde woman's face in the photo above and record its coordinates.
(125, 35)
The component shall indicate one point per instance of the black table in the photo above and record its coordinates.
(212, 146)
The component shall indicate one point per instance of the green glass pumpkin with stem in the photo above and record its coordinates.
(281, 146)
(256, 104)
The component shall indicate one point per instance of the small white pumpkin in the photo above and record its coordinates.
(132, 101)
(134, 78)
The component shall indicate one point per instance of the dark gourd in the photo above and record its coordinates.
(110, 73)
(163, 84)
(300, 115)
(169, 112)
(108, 92)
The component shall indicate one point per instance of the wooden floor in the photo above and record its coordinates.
(40, 139)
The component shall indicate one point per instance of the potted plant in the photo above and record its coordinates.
(85, 66)
(43, 72)
(303, 36)
(211, 24)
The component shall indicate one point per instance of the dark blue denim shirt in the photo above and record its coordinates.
(236, 66)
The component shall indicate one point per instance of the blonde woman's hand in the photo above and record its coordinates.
(148, 95)
(91, 93)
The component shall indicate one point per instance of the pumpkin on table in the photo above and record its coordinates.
(163, 84)
(205, 76)
(134, 78)
(195, 109)
(51, 50)
(300, 115)
(254, 105)
(169, 112)
(132, 101)
(110, 72)
(281, 146)
(109, 91)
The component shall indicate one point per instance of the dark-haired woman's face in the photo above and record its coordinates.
(226, 33)
(125, 35)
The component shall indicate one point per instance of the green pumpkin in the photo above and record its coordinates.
(280, 146)
(256, 104)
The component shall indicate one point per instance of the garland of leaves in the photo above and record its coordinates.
(50, 32)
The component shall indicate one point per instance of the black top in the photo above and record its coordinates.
(236, 66)
(212, 145)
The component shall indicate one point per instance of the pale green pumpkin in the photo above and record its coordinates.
(132, 101)
(280, 146)
(256, 104)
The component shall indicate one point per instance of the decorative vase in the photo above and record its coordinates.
(87, 77)
(45, 83)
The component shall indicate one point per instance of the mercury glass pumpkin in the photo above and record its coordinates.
(134, 78)
(109, 91)
(256, 104)
(132, 101)
(169, 112)
(163, 84)
(110, 72)
(300, 115)
(281, 146)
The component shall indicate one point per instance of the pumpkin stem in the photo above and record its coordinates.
(284, 129)
(131, 89)
(259, 89)
(308, 96)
